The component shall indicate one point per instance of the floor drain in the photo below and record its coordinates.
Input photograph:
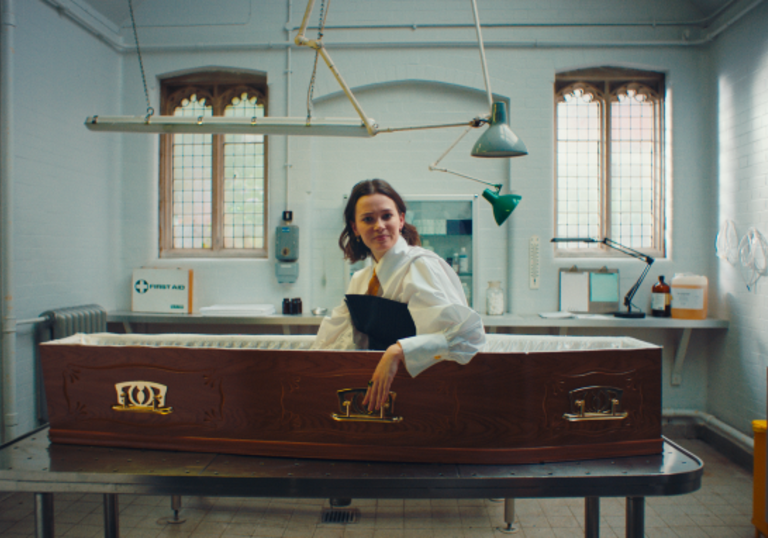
(340, 516)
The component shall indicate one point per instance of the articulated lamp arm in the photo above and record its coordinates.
(317, 44)
(635, 254)
(625, 250)
(434, 168)
(503, 205)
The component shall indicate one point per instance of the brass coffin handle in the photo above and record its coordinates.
(352, 409)
(595, 403)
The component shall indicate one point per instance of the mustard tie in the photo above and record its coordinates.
(374, 286)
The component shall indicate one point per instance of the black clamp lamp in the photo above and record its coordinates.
(629, 252)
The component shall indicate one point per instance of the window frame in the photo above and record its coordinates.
(607, 81)
(219, 86)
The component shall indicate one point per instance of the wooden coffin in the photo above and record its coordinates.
(526, 399)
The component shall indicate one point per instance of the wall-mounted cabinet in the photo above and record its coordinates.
(447, 226)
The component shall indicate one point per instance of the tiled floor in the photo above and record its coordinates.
(722, 508)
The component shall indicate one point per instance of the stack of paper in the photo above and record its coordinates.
(254, 310)
(572, 315)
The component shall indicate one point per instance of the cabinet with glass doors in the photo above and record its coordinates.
(446, 226)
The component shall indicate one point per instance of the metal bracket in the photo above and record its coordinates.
(682, 349)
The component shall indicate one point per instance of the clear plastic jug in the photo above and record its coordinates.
(690, 296)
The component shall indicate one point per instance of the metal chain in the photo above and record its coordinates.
(150, 110)
(321, 27)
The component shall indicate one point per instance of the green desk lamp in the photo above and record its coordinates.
(503, 204)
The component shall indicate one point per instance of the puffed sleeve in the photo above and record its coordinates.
(446, 328)
(337, 331)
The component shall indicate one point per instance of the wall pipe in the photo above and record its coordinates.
(122, 48)
(32, 321)
(288, 72)
(700, 22)
(705, 419)
(10, 416)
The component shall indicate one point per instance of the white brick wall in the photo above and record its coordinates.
(737, 381)
(66, 216)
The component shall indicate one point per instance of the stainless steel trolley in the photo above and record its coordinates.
(33, 464)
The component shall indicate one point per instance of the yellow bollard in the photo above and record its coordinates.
(758, 481)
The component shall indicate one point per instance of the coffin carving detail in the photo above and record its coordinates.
(141, 397)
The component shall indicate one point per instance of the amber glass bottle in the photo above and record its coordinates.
(661, 299)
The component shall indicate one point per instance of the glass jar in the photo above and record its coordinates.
(494, 299)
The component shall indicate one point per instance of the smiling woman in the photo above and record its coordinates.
(377, 223)
(409, 303)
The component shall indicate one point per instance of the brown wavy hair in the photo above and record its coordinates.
(353, 247)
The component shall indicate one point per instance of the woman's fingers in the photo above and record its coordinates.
(378, 392)
(372, 395)
(368, 394)
(384, 394)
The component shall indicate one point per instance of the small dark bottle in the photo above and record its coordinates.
(286, 306)
(296, 306)
(661, 299)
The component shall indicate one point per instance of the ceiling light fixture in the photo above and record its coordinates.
(497, 142)
(273, 125)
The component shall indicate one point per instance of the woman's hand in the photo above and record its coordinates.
(378, 390)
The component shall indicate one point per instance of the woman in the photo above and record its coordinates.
(409, 303)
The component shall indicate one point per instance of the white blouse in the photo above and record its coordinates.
(446, 327)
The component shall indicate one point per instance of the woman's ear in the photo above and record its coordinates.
(354, 229)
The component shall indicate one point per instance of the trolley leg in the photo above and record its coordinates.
(175, 508)
(44, 515)
(509, 517)
(635, 517)
(111, 523)
(592, 517)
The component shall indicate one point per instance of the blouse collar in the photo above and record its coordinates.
(391, 260)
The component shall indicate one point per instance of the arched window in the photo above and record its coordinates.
(213, 188)
(610, 176)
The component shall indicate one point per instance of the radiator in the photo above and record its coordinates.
(64, 322)
(60, 323)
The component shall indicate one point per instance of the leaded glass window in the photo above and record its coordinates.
(610, 178)
(213, 187)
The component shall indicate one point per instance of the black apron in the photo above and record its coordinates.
(384, 321)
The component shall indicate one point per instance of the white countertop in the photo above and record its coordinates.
(506, 320)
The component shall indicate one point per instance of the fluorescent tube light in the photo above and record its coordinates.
(219, 125)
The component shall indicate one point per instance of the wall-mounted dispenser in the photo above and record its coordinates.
(287, 250)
